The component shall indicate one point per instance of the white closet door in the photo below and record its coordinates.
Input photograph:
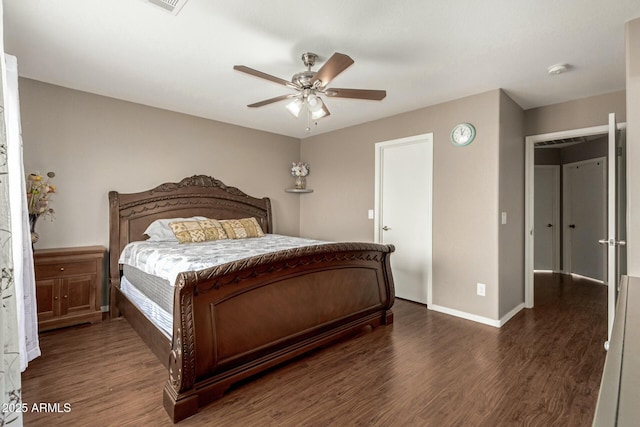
(585, 218)
(547, 218)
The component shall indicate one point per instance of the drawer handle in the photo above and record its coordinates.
(55, 298)
(65, 297)
(61, 268)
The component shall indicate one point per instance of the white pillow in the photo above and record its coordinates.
(159, 230)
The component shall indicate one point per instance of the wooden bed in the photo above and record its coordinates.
(240, 318)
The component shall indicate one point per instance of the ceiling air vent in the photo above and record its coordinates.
(171, 6)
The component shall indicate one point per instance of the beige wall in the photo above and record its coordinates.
(577, 114)
(465, 194)
(95, 144)
(632, 29)
(511, 199)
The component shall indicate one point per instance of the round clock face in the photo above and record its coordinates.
(463, 134)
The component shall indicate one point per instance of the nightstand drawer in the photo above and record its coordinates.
(46, 271)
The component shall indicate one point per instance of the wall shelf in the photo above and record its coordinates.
(298, 190)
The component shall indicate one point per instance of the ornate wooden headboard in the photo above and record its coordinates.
(201, 195)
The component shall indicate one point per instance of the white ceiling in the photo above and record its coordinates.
(423, 52)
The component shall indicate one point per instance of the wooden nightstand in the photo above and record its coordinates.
(68, 286)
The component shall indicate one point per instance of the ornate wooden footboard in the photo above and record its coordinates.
(235, 320)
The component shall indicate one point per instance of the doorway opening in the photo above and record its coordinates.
(610, 170)
(570, 206)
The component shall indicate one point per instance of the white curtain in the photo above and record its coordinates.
(21, 237)
(10, 384)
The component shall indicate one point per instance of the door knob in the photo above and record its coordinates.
(385, 228)
(612, 242)
(549, 225)
(572, 226)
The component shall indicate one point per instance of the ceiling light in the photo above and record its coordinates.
(558, 69)
(314, 103)
(315, 115)
(295, 107)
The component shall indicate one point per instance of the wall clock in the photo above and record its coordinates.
(463, 134)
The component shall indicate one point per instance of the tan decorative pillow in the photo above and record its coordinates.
(242, 228)
(212, 229)
(197, 231)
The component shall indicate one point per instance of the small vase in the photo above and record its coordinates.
(33, 218)
(301, 182)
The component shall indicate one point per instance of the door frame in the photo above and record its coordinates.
(529, 164)
(555, 237)
(377, 223)
(567, 266)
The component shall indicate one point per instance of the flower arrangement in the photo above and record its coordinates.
(39, 191)
(300, 169)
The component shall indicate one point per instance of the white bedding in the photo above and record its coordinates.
(168, 259)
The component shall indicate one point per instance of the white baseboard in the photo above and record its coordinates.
(475, 318)
(504, 319)
(465, 315)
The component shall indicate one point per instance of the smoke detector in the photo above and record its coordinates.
(558, 69)
(171, 6)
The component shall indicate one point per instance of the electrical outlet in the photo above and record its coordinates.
(481, 289)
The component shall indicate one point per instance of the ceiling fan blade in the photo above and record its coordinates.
(326, 110)
(265, 76)
(374, 95)
(334, 66)
(271, 100)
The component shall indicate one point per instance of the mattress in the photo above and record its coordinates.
(161, 318)
(155, 288)
(150, 269)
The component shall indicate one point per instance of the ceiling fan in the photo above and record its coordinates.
(311, 84)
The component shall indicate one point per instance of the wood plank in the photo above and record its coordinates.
(542, 368)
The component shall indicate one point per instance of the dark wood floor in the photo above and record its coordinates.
(542, 368)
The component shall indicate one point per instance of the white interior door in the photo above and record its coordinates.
(616, 218)
(404, 171)
(547, 218)
(585, 216)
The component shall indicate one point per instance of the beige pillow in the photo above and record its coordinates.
(197, 231)
(242, 228)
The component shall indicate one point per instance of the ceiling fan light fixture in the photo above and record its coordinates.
(316, 115)
(295, 106)
(314, 103)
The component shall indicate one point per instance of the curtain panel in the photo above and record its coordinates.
(23, 270)
(10, 385)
